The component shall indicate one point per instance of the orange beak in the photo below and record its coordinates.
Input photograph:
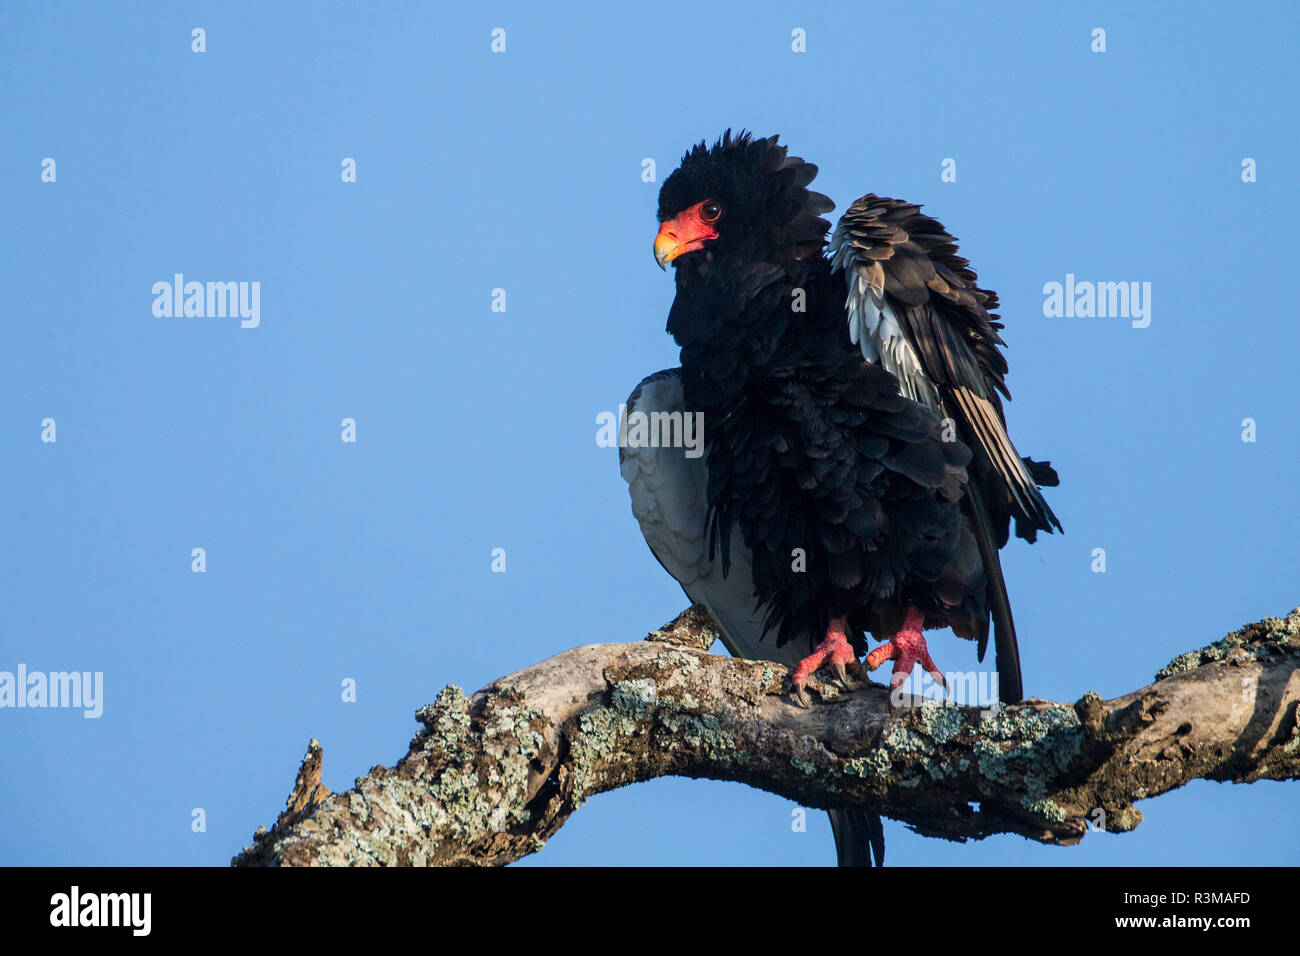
(684, 233)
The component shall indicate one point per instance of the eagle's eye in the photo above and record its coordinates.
(710, 211)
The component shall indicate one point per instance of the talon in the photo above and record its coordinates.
(906, 650)
(834, 650)
(841, 675)
(800, 696)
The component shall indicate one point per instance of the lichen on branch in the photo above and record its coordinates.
(490, 777)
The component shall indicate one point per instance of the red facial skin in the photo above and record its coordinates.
(685, 232)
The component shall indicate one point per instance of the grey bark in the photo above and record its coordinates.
(490, 777)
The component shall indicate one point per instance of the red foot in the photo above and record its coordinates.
(906, 650)
(835, 650)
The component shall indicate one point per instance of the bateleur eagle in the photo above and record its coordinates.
(854, 436)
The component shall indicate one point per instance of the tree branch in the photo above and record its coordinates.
(489, 778)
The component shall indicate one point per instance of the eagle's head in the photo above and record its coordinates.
(743, 200)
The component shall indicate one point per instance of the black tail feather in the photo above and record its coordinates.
(859, 837)
(1010, 685)
(1043, 473)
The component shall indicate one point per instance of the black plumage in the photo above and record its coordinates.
(668, 489)
(819, 455)
(893, 247)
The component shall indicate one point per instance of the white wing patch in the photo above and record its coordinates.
(873, 324)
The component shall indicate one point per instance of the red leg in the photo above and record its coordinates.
(906, 650)
(835, 650)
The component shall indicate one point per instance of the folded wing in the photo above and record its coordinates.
(669, 500)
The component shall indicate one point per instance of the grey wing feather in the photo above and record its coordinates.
(668, 491)
(669, 501)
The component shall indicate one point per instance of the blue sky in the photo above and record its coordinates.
(476, 429)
